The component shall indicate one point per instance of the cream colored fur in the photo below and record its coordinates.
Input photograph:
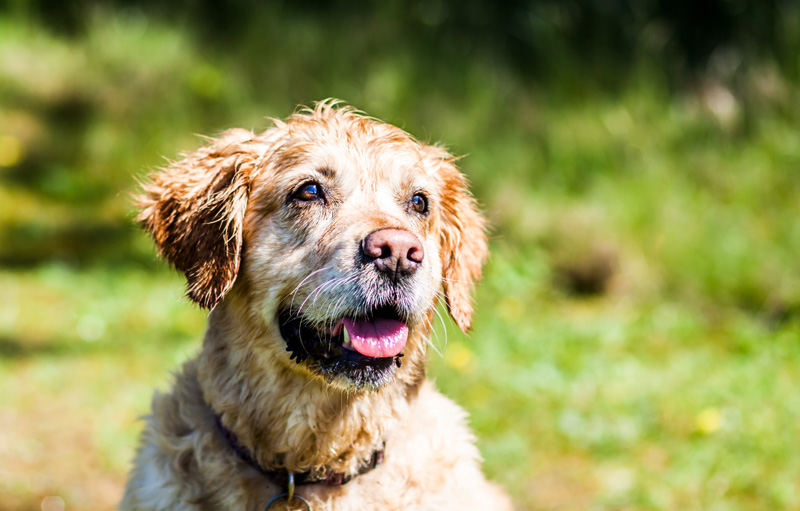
(220, 215)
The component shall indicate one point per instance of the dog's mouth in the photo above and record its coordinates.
(366, 349)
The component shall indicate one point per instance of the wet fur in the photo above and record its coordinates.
(220, 215)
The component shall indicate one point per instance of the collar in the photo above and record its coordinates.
(281, 476)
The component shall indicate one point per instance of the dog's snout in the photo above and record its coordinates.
(393, 250)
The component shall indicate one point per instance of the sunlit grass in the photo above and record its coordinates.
(646, 406)
(641, 406)
(80, 355)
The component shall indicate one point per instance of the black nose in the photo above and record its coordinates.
(393, 251)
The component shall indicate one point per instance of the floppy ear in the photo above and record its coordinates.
(462, 238)
(194, 210)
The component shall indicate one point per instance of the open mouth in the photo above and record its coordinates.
(366, 349)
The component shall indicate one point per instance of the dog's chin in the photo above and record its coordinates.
(362, 352)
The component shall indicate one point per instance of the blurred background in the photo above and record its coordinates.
(637, 342)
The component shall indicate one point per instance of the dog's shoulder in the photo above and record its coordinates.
(433, 452)
(166, 472)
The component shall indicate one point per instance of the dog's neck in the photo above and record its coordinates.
(288, 419)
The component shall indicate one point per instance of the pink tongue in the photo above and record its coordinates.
(379, 338)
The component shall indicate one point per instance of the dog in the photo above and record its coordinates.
(322, 247)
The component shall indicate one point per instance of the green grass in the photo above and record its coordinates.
(638, 406)
(80, 354)
(672, 386)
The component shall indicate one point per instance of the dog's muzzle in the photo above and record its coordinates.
(365, 349)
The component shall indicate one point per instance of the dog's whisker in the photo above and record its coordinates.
(443, 297)
(297, 288)
(332, 312)
(428, 340)
(444, 326)
(456, 281)
(433, 345)
(333, 308)
(430, 328)
(331, 284)
(316, 289)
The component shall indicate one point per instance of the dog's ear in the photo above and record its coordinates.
(194, 210)
(462, 237)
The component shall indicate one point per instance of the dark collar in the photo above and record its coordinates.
(281, 476)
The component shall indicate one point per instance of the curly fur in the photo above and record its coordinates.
(221, 216)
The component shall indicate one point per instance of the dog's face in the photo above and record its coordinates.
(346, 219)
(338, 231)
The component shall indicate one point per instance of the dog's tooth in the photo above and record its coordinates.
(346, 338)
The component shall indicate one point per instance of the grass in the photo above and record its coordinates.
(80, 353)
(596, 403)
(637, 341)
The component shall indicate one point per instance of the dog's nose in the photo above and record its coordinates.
(393, 251)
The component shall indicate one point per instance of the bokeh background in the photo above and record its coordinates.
(637, 342)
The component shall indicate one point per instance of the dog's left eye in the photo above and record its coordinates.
(418, 203)
(308, 192)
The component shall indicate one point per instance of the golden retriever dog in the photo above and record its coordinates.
(321, 247)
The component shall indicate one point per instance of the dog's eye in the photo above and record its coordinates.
(308, 192)
(419, 203)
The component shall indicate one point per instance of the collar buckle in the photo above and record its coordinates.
(288, 496)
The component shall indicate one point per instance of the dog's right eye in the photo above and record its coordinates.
(308, 192)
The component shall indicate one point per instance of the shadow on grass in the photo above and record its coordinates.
(16, 349)
(27, 244)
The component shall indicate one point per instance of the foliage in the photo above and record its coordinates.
(636, 345)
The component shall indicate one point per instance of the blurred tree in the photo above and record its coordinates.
(602, 37)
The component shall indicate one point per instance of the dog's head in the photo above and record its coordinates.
(337, 231)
